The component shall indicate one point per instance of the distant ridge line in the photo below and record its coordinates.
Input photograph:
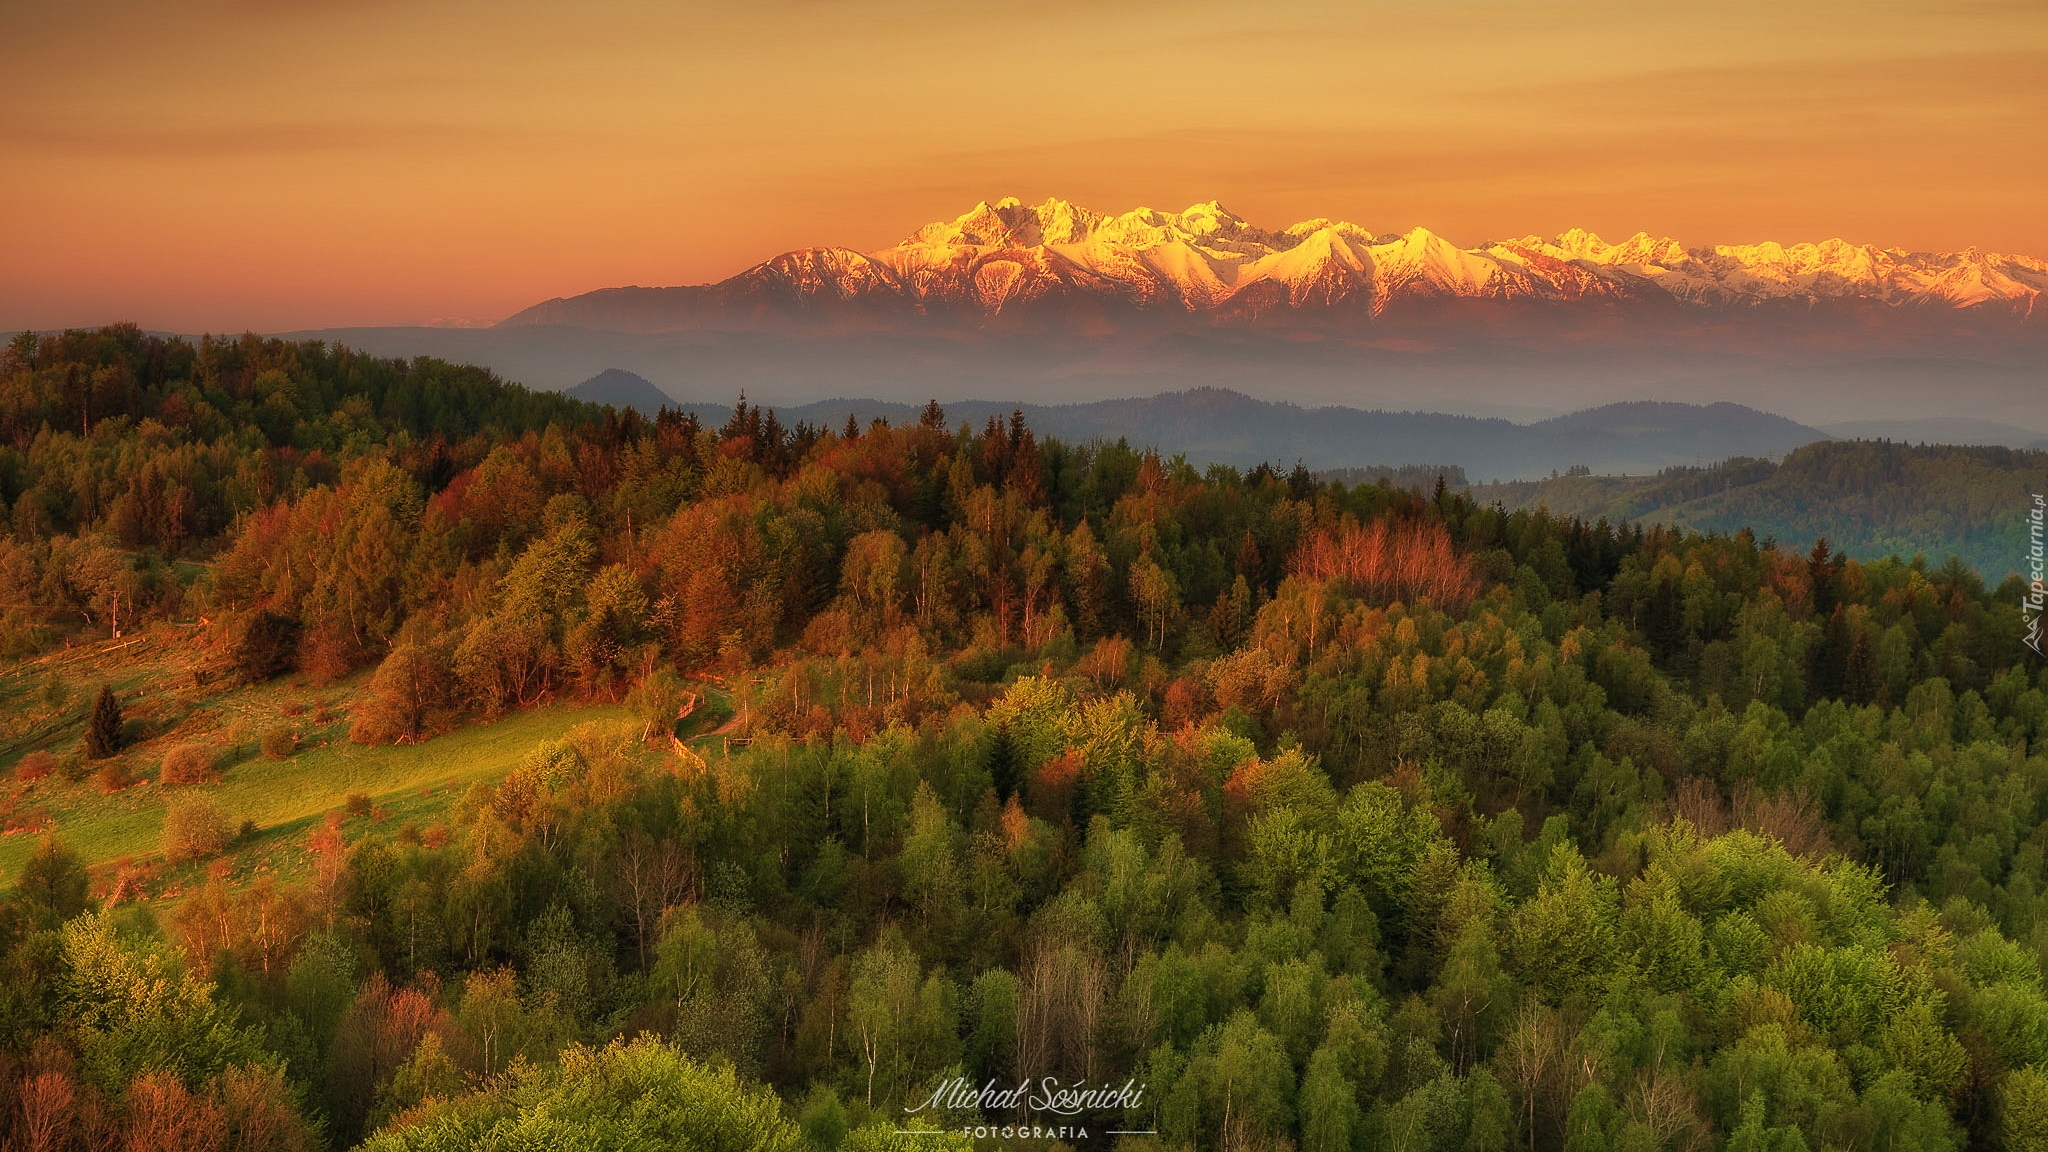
(1222, 426)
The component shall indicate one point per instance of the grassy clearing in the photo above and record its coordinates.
(287, 798)
(167, 706)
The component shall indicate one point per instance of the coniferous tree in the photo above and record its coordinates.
(1860, 677)
(54, 886)
(103, 730)
(1002, 764)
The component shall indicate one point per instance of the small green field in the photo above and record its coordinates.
(287, 798)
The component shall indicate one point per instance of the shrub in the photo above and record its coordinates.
(295, 708)
(114, 775)
(328, 651)
(358, 804)
(186, 764)
(263, 646)
(74, 767)
(195, 829)
(279, 742)
(55, 693)
(35, 765)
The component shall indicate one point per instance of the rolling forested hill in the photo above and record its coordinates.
(1869, 498)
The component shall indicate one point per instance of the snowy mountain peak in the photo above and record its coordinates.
(1009, 223)
(1205, 256)
(1000, 257)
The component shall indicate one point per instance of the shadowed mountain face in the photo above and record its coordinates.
(622, 389)
(1222, 427)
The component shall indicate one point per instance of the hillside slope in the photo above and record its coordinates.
(1869, 498)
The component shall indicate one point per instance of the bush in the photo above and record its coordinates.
(263, 646)
(279, 742)
(186, 764)
(114, 775)
(357, 803)
(195, 829)
(55, 693)
(74, 767)
(35, 765)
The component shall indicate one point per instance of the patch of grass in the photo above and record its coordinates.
(287, 798)
(714, 710)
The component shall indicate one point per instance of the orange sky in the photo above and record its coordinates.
(278, 164)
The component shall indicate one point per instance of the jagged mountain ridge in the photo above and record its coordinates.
(1205, 262)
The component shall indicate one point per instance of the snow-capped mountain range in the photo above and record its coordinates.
(1008, 259)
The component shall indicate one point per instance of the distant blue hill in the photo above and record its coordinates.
(1869, 498)
(1220, 426)
(622, 389)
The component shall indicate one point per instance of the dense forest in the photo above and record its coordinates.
(1872, 498)
(1314, 816)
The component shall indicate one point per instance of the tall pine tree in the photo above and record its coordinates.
(103, 730)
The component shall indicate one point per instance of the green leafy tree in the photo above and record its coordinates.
(880, 1005)
(1329, 1104)
(1564, 938)
(53, 886)
(624, 1097)
(138, 1011)
(2023, 1110)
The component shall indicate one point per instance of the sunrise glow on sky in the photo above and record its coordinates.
(289, 164)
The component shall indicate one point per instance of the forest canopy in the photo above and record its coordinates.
(1339, 817)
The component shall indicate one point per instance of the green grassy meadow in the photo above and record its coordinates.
(285, 798)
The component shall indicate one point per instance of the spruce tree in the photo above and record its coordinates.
(103, 730)
(1002, 763)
